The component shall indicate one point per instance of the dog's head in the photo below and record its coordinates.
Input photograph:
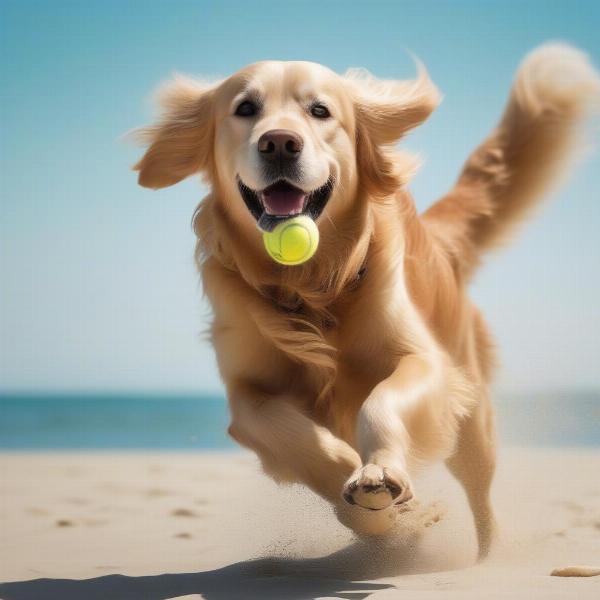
(282, 138)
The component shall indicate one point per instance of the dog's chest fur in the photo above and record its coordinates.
(361, 329)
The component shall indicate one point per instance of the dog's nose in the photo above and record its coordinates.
(280, 144)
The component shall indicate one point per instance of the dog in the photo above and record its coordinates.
(351, 371)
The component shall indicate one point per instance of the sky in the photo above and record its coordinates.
(98, 289)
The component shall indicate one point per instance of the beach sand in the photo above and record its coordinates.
(152, 526)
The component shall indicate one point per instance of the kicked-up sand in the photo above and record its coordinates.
(152, 526)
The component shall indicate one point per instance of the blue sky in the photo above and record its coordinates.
(98, 285)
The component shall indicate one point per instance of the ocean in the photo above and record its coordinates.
(197, 422)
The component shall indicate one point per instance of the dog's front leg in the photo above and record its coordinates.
(292, 447)
(383, 433)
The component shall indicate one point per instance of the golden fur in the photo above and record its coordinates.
(348, 372)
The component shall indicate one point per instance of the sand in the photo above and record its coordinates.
(143, 526)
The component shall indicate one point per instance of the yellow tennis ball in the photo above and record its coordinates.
(292, 242)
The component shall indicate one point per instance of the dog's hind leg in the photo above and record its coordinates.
(473, 464)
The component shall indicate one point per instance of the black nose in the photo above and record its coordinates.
(280, 144)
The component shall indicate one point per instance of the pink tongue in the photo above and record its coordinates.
(283, 200)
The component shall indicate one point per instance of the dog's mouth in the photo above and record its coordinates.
(282, 200)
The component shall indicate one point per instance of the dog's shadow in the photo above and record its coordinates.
(338, 575)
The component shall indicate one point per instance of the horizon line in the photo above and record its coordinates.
(187, 393)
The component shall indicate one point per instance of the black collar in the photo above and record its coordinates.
(294, 302)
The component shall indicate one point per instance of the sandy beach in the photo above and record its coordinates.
(152, 526)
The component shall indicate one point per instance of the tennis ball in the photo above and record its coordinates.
(293, 241)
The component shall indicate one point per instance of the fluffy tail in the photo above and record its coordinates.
(555, 89)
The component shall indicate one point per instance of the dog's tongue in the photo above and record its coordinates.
(282, 199)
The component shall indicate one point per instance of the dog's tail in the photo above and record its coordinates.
(555, 89)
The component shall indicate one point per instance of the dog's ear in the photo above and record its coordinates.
(181, 142)
(388, 108)
(385, 110)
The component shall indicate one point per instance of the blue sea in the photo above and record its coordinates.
(188, 422)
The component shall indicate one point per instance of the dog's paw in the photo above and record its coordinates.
(376, 487)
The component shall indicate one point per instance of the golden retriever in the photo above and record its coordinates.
(348, 372)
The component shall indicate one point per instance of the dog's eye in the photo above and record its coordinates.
(320, 111)
(246, 109)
